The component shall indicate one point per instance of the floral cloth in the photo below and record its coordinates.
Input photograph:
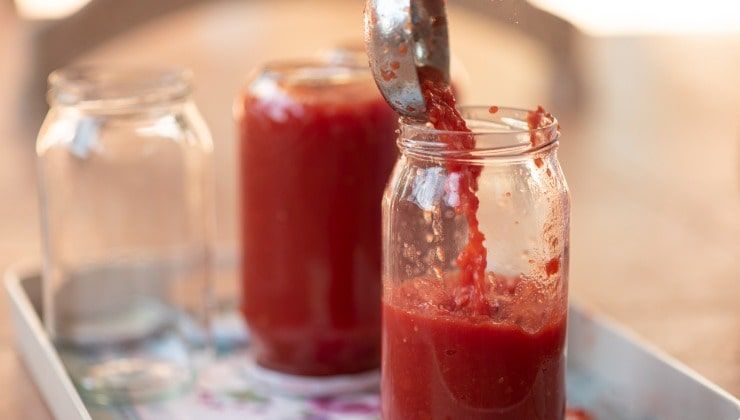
(225, 390)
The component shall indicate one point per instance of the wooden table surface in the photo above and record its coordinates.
(652, 155)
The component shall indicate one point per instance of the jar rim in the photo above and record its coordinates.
(314, 71)
(118, 87)
(503, 133)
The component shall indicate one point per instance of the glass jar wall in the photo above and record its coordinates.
(456, 345)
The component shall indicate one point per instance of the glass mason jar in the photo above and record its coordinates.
(124, 162)
(317, 145)
(443, 355)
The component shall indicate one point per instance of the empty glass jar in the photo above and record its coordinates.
(124, 162)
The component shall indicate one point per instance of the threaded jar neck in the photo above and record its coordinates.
(103, 88)
(501, 134)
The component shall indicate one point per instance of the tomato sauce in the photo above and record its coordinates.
(445, 361)
(314, 160)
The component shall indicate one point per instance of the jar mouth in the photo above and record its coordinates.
(317, 72)
(108, 87)
(503, 133)
(350, 52)
(313, 82)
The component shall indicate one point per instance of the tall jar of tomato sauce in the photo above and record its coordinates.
(316, 147)
(476, 271)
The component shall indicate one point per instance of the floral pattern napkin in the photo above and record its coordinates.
(225, 390)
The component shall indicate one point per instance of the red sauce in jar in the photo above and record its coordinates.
(445, 361)
(578, 414)
(314, 160)
(476, 345)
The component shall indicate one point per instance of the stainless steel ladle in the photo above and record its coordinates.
(401, 36)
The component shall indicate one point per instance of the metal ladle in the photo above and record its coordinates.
(401, 36)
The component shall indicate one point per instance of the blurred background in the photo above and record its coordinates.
(647, 92)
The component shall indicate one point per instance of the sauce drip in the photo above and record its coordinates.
(536, 121)
(439, 98)
(444, 116)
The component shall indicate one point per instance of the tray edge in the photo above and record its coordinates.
(37, 352)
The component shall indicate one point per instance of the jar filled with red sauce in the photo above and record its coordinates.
(475, 271)
(316, 147)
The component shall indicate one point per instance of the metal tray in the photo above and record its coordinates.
(611, 373)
